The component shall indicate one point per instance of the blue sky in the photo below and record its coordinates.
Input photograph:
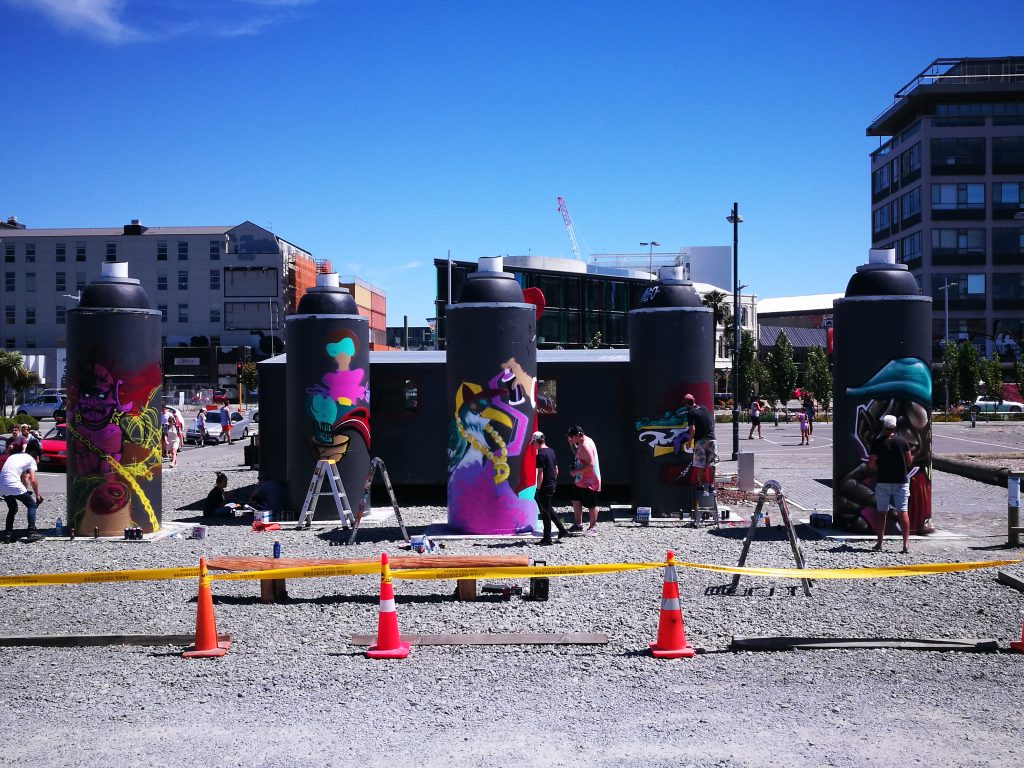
(380, 135)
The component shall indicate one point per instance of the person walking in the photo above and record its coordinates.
(200, 427)
(173, 435)
(809, 410)
(805, 434)
(19, 468)
(755, 419)
(705, 447)
(547, 474)
(30, 439)
(225, 424)
(890, 456)
(586, 473)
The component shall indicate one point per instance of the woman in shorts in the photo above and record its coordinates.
(755, 419)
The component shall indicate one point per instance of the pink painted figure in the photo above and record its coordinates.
(91, 415)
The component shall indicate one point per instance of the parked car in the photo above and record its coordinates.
(55, 448)
(41, 407)
(254, 415)
(240, 423)
(987, 404)
(58, 392)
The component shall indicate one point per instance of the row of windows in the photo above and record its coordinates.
(963, 246)
(60, 251)
(970, 288)
(949, 156)
(962, 200)
(60, 314)
(60, 281)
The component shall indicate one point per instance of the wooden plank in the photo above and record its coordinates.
(78, 641)
(465, 590)
(397, 562)
(1010, 580)
(838, 643)
(556, 638)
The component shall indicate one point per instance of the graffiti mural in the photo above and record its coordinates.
(666, 444)
(491, 423)
(113, 447)
(339, 403)
(903, 388)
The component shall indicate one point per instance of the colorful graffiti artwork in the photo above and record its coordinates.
(339, 402)
(114, 447)
(489, 426)
(903, 388)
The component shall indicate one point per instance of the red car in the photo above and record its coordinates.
(55, 448)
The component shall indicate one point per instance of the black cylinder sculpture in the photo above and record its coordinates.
(113, 419)
(671, 354)
(881, 364)
(328, 393)
(491, 391)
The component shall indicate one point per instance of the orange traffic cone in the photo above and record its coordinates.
(671, 642)
(389, 643)
(1018, 646)
(206, 645)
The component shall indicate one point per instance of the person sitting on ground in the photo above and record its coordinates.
(216, 504)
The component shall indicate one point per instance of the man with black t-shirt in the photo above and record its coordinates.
(547, 474)
(890, 456)
(705, 447)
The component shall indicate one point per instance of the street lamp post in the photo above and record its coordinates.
(650, 256)
(735, 219)
(946, 285)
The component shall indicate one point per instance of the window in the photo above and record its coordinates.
(215, 314)
(61, 314)
(9, 342)
(214, 279)
(30, 282)
(183, 313)
(182, 280)
(1008, 290)
(910, 203)
(910, 164)
(958, 156)
(161, 282)
(9, 315)
(111, 251)
(30, 315)
(880, 181)
(9, 252)
(958, 246)
(60, 281)
(968, 292)
(879, 220)
(163, 313)
(958, 201)
(215, 250)
(9, 281)
(1007, 199)
(79, 280)
(911, 247)
(62, 252)
(1008, 155)
(30, 252)
(161, 250)
(1008, 246)
(183, 250)
(79, 251)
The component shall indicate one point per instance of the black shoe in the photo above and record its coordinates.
(34, 536)
(546, 542)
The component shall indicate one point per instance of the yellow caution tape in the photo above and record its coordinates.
(301, 572)
(98, 577)
(853, 573)
(522, 570)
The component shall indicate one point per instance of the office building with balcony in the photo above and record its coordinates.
(947, 193)
(227, 286)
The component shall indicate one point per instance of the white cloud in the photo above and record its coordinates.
(409, 265)
(98, 18)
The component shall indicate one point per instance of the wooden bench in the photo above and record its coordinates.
(274, 590)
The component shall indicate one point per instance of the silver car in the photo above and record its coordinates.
(239, 427)
(41, 407)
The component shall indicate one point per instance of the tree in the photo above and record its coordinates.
(951, 372)
(596, 341)
(24, 379)
(248, 378)
(969, 369)
(721, 315)
(1018, 369)
(781, 368)
(992, 373)
(817, 376)
(753, 376)
(11, 366)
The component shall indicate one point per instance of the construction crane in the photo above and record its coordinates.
(568, 228)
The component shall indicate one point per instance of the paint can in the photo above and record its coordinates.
(198, 531)
(643, 515)
(418, 544)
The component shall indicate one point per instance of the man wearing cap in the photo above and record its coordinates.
(890, 457)
(705, 447)
(586, 473)
(547, 474)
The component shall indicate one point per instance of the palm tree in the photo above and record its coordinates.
(721, 314)
(24, 379)
(11, 362)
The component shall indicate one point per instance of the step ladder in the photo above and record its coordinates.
(705, 502)
(794, 543)
(326, 468)
(377, 465)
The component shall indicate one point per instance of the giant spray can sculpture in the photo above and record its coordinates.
(113, 421)
(671, 354)
(491, 390)
(881, 359)
(328, 392)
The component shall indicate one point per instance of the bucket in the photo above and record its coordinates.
(198, 531)
(262, 516)
(418, 544)
(643, 515)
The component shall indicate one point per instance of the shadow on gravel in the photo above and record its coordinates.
(345, 599)
(995, 548)
(769, 533)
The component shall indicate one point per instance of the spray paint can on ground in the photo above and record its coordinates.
(671, 354)
(328, 392)
(491, 393)
(114, 378)
(882, 343)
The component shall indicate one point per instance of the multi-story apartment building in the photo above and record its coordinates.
(947, 192)
(372, 304)
(230, 285)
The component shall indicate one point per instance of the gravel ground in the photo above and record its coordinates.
(293, 692)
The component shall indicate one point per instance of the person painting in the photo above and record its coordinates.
(586, 473)
(547, 474)
(19, 472)
(890, 457)
(705, 447)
